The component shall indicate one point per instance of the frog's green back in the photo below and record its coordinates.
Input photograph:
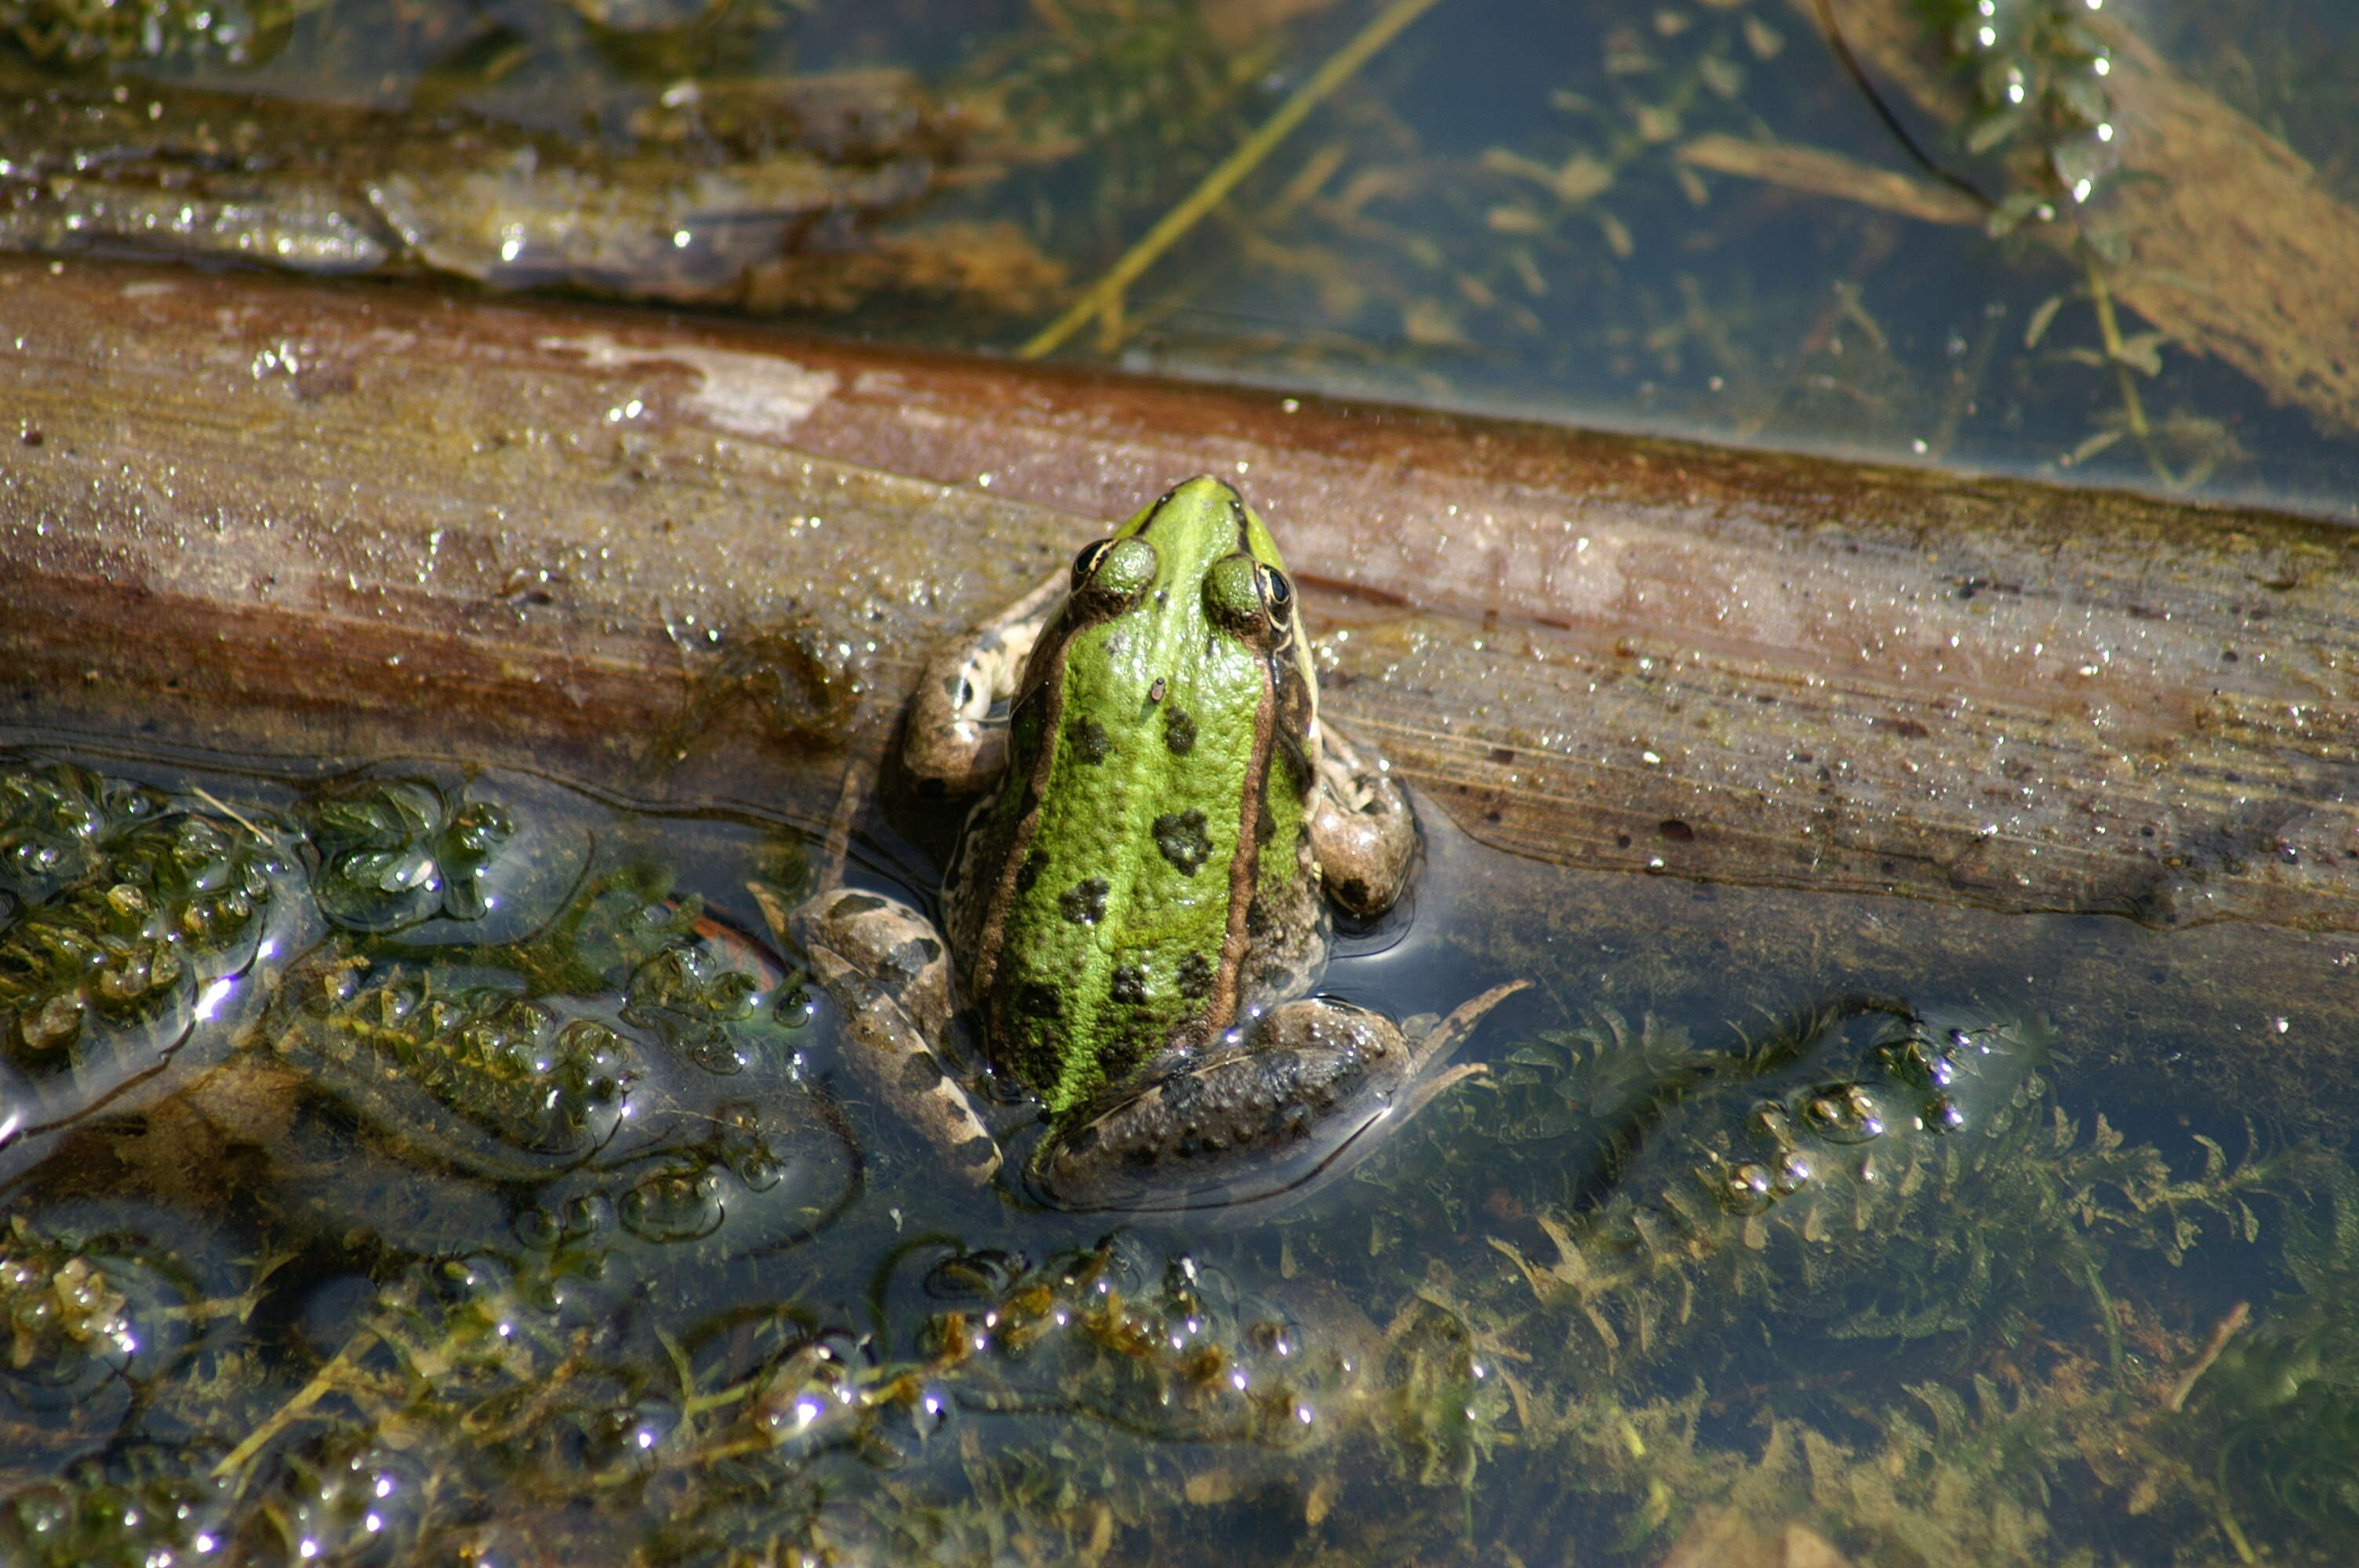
(1156, 784)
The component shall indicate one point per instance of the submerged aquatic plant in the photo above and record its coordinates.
(86, 32)
(131, 925)
(2277, 1406)
(399, 850)
(523, 1240)
(1884, 1177)
(2036, 72)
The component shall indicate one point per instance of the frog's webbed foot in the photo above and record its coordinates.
(885, 967)
(952, 739)
(1259, 1121)
(1360, 828)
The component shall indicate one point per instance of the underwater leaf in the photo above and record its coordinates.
(2095, 444)
(1874, 1322)
(2108, 243)
(2084, 99)
(2142, 351)
(1949, 1411)
(1988, 1400)
(2042, 315)
(2070, 35)
(2017, 208)
(1987, 131)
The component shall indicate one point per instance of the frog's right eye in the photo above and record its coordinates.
(1087, 561)
(1113, 572)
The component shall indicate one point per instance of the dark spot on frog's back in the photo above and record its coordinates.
(1036, 999)
(1084, 902)
(920, 1072)
(1128, 986)
(1194, 975)
(909, 959)
(1090, 740)
(1182, 838)
(1178, 731)
(1029, 872)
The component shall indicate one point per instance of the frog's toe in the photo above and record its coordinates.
(1435, 1046)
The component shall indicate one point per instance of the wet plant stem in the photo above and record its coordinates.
(2228, 1526)
(323, 1382)
(2107, 1317)
(2222, 1333)
(1103, 298)
(1963, 390)
(2109, 331)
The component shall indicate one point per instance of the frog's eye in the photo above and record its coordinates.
(1087, 561)
(1113, 572)
(1276, 592)
(1236, 596)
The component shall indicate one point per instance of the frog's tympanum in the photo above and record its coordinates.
(1139, 906)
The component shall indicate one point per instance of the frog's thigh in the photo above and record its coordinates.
(1361, 828)
(886, 966)
(951, 738)
(1280, 1112)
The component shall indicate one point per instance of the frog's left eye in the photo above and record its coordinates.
(1113, 572)
(1275, 592)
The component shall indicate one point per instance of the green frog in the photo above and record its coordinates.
(1139, 907)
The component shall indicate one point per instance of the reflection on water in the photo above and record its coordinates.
(2037, 235)
(2023, 234)
(509, 1206)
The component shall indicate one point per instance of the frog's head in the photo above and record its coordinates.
(1201, 539)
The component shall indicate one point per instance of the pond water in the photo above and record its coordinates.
(1692, 217)
(417, 1163)
(409, 1161)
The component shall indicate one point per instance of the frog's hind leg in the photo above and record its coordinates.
(1361, 826)
(953, 740)
(885, 965)
(1260, 1121)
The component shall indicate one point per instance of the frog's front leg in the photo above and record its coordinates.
(1310, 1089)
(1360, 828)
(952, 739)
(886, 968)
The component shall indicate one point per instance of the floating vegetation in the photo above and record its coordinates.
(134, 925)
(397, 851)
(455, 1246)
(1811, 1189)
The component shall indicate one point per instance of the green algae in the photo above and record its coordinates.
(456, 1247)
